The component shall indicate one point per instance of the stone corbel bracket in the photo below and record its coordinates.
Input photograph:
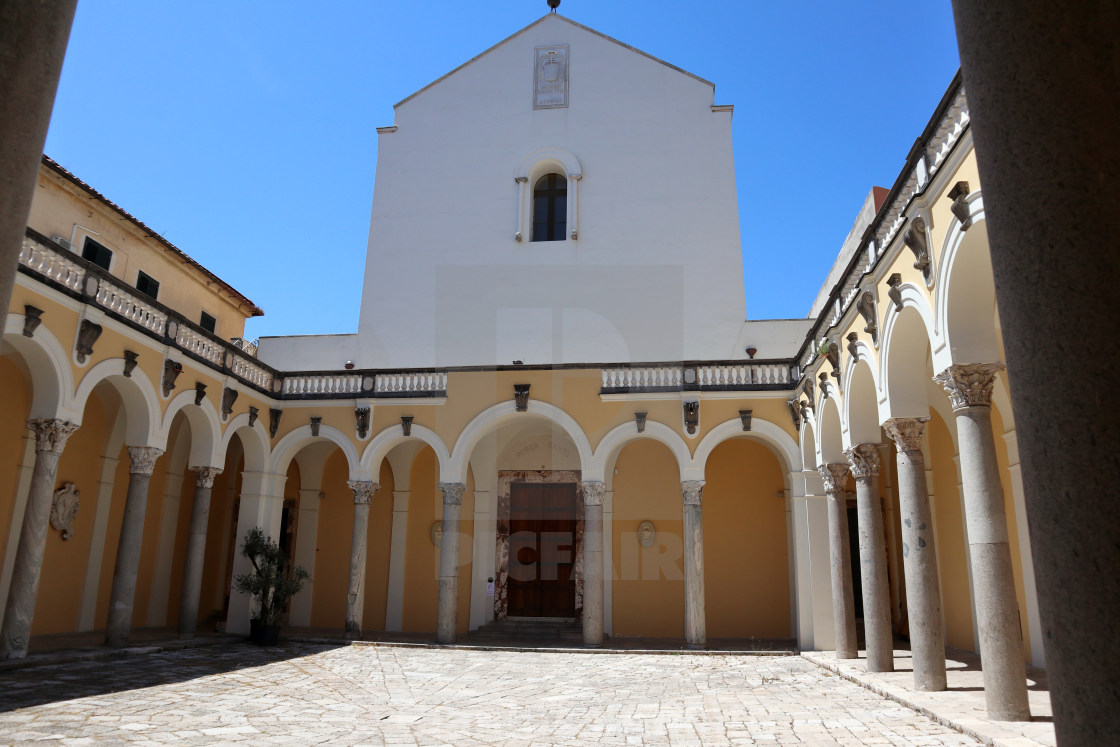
(866, 308)
(88, 333)
(853, 348)
(229, 396)
(361, 421)
(521, 397)
(274, 416)
(745, 418)
(199, 392)
(959, 195)
(171, 371)
(894, 290)
(916, 238)
(793, 404)
(691, 416)
(832, 354)
(640, 421)
(32, 318)
(316, 423)
(254, 413)
(406, 424)
(130, 359)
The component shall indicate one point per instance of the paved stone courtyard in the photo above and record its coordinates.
(320, 694)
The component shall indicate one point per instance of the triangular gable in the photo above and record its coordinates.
(541, 20)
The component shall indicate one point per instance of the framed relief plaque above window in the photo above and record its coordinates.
(550, 77)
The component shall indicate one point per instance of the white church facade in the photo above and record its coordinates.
(553, 408)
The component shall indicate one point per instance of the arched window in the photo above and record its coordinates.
(550, 208)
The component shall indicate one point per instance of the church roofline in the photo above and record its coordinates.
(536, 22)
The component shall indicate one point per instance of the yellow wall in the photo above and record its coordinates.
(421, 565)
(746, 561)
(647, 591)
(332, 545)
(59, 204)
(951, 550)
(60, 585)
(17, 402)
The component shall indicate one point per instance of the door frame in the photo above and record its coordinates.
(506, 479)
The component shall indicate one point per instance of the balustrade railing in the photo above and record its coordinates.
(732, 375)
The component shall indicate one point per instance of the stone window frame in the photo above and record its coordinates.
(539, 163)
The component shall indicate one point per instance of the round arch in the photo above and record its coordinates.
(540, 160)
(206, 433)
(770, 434)
(498, 414)
(964, 294)
(139, 398)
(830, 439)
(291, 443)
(611, 445)
(51, 377)
(254, 442)
(903, 375)
(861, 404)
(381, 444)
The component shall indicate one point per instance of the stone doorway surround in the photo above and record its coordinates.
(506, 478)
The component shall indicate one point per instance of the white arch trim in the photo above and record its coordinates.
(290, 444)
(561, 156)
(206, 433)
(954, 237)
(49, 365)
(494, 416)
(381, 444)
(254, 442)
(771, 434)
(141, 403)
(612, 443)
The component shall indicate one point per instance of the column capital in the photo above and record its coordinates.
(51, 434)
(452, 493)
(834, 476)
(593, 492)
(693, 492)
(864, 459)
(204, 476)
(906, 433)
(143, 459)
(364, 490)
(969, 384)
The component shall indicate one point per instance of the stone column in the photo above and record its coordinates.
(695, 625)
(1001, 640)
(1044, 68)
(33, 36)
(923, 589)
(593, 563)
(196, 550)
(877, 633)
(447, 621)
(119, 625)
(50, 438)
(835, 477)
(355, 591)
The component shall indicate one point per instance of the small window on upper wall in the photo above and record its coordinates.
(550, 208)
(147, 285)
(97, 253)
(208, 323)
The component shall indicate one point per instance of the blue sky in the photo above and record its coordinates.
(244, 131)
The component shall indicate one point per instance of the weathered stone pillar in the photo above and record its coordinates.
(923, 590)
(33, 42)
(196, 550)
(877, 633)
(695, 615)
(355, 591)
(593, 493)
(447, 621)
(50, 439)
(835, 477)
(1040, 68)
(1001, 639)
(119, 625)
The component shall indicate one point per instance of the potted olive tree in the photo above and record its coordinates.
(272, 583)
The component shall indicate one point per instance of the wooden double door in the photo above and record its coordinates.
(542, 550)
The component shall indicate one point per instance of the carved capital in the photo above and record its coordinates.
(835, 477)
(864, 459)
(204, 476)
(906, 433)
(969, 385)
(692, 491)
(51, 435)
(452, 493)
(142, 459)
(364, 490)
(593, 493)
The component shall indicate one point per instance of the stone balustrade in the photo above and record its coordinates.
(729, 375)
(410, 384)
(322, 384)
(204, 347)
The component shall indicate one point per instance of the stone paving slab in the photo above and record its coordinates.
(300, 693)
(962, 706)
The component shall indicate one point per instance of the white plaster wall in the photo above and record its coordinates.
(773, 338)
(308, 352)
(656, 273)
